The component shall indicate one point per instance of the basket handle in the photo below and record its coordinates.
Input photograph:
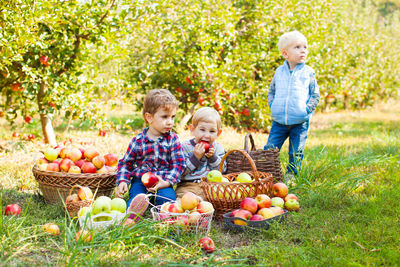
(246, 143)
(253, 165)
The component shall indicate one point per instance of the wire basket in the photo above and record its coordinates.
(55, 186)
(265, 160)
(101, 220)
(183, 223)
(226, 197)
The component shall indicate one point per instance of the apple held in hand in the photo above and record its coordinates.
(12, 209)
(206, 145)
(118, 204)
(214, 176)
(263, 201)
(292, 205)
(51, 228)
(207, 244)
(280, 190)
(149, 179)
(189, 201)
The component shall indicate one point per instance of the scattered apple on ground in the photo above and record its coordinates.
(51, 228)
(207, 244)
(12, 209)
(84, 235)
(280, 190)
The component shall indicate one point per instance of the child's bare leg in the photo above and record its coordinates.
(138, 206)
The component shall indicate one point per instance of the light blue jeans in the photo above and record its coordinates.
(297, 134)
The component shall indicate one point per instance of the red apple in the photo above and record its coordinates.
(280, 190)
(84, 235)
(80, 162)
(16, 87)
(111, 159)
(205, 207)
(74, 154)
(12, 209)
(74, 169)
(249, 204)
(206, 146)
(207, 244)
(182, 220)
(44, 60)
(291, 196)
(90, 153)
(66, 164)
(51, 228)
(85, 193)
(257, 217)
(175, 208)
(15, 134)
(28, 119)
(263, 201)
(246, 112)
(98, 161)
(102, 133)
(53, 167)
(42, 161)
(149, 179)
(233, 213)
(82, 151)
(189, 201)
(57, 161)
(244, 214)
(31, 136)
(88, 167)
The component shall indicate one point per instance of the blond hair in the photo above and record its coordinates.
(159, 98)
(206, 114)
(289, 38)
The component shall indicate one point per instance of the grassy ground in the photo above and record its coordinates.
(349, 189)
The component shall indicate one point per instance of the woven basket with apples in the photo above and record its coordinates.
(75, 201)
(70, 164)
(190, 214)
(226, 191)
(103, 212)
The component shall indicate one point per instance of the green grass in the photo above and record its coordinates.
(349, 188)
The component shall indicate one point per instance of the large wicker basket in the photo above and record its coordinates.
(265, 160)
(226, 196)
(56, 184)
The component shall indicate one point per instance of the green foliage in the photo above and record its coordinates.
(224, 54)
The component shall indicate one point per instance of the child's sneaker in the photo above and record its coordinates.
(138, 206)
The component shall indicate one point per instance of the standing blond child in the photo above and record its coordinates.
(206, 126)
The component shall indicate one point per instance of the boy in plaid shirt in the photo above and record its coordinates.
(156, 149)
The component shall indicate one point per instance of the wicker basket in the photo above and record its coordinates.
(56, 184)
(226, 197)
(265, 160)
(73, 207)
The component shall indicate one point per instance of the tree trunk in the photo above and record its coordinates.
(47, 127)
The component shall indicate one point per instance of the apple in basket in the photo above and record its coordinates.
(111, 159)
(249, 204)
(189, 201)
(194, 217)
(99, 161)
(85, 193)
(53, 167)
(205, 207)
(257, 217)
(278, 202)
(149, 179)
(88, 167)
(66, 164)
(74, 169)
(175, 208)
(266, 213)
(214, 176)
(244, 177)
(277, 210)
(50, 154)
(91, 153)
(207, 244)
(118, 204)
(74, 154)
(72, 198)
(243, 214)
(101, 204)
(51, 228)
(263, 201)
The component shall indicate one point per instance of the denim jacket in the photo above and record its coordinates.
(293, 97)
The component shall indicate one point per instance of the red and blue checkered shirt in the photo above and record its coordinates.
(163, 157)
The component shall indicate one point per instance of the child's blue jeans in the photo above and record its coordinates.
(162, 195)
(297, 134)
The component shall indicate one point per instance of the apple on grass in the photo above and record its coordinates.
(292, 205)
(263, 201)
(189, 201)
(118, 204)
(291, 196)
(249, 204)
(278, 202)
(149, 179)
(83, 235)
(207, 244)
(280, 190)
(214, 176)
(51, 228)
(12, 209)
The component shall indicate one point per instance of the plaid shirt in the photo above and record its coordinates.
(164, 157)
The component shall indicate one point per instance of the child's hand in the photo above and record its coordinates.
(160, 185)
(199, 151)
(211, 152)
(121, 189)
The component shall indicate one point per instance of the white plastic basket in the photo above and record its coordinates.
(94, 221)
(184, 222)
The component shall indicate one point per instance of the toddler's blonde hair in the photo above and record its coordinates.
(159, 98)
(289, 38)
(206, 114)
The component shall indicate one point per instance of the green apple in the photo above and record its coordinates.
(214, 176)
(51, 154)
(244, 177)
(277, 202)
(118, 204)
(83, 211)
(101, 204)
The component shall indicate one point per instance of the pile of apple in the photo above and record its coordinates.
(217, 177)
(104, 206)
(76, 159)
(186, 213)
(263, 207)
(84, 193)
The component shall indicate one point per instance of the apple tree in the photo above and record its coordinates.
(45, 46)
